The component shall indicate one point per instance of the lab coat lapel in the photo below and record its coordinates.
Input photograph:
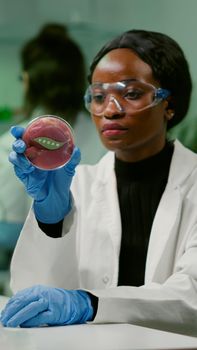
(104, 192)
(159, 257)
(165, 226)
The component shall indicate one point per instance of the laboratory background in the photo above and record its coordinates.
(91, 23)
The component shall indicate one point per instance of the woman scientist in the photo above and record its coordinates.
(120, 244)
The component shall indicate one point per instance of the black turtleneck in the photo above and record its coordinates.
(140, 186)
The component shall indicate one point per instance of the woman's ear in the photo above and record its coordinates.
(169, 114)
(169, 110)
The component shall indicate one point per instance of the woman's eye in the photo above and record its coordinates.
(133, 94)
(98, 98)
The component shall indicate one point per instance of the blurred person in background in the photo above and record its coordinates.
(53, 76)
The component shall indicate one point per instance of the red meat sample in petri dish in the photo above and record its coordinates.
(50, 142)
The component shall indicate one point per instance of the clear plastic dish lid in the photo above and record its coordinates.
(50, 142)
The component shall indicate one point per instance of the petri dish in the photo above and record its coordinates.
(50, 142)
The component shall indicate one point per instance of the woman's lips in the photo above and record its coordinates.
(113, 130)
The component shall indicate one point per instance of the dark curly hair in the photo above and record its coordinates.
(56, 70)
(167, 60)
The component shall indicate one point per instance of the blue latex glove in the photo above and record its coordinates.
(49, 189)
(41, 305)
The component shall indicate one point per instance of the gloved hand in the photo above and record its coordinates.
(41, 305)
(49, 189)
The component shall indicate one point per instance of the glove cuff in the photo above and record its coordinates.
(88, 315)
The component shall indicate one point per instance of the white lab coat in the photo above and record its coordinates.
(87, 255)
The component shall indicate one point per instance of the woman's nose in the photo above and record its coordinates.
(113, 108)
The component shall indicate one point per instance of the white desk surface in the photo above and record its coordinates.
(91, 337)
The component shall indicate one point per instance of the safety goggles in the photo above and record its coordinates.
(128, 96)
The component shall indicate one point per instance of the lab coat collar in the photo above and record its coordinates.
(179, 170)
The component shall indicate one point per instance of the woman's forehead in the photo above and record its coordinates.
(120, 64)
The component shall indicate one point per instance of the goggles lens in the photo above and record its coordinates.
(128, 96)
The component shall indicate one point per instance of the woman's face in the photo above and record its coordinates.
(133, 136)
